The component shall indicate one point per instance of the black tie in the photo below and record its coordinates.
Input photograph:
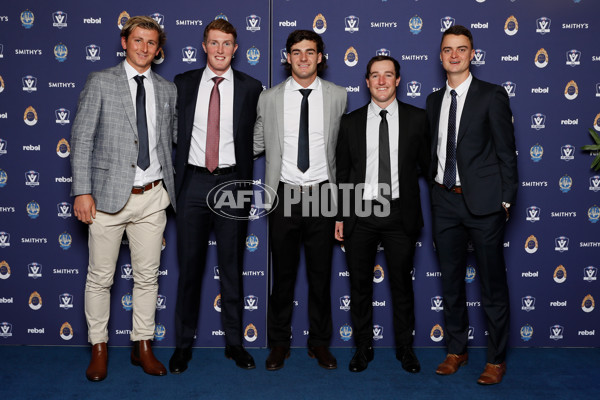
(303, 153)
(450, 168)
(142, 126)
(385, 171)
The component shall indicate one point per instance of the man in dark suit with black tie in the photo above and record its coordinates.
(216, 113)
(381, 147)
(474, 167)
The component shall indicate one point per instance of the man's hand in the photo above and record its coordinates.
(339, 231)
(85, 208)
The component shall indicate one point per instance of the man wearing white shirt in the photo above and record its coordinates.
(297, 128)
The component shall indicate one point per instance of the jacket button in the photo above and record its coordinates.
(132, 165)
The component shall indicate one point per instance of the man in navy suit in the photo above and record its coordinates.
(474, 171)
(216, 108)
(382, 146)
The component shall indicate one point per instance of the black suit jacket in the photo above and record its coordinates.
(485, 147)
(246, 92)
(413, 158)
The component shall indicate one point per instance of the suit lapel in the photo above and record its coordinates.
(158, 103)
(126, 99)
(360, 133)
(327, 99)
(470, 104)
(404, 123)
(239, 92)
(190, 103)
(279, 99)
(435, 123)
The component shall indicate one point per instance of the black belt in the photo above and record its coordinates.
(217, 171)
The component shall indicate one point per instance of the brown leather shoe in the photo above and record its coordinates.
(492, 374)
(451, 364)
(323, 356)
(276, 357)
(141, 355)
(96, 371)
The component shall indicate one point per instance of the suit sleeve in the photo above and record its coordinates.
(259, 133)
(83, 134)
(504, 143)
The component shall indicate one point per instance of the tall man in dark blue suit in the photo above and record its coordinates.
(216, 113)
(474, 167)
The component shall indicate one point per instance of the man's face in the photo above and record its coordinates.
(140, 48)
(456, 54)
(304, 59)
(219, 48)
(382, 82)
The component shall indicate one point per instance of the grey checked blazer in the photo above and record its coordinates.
(104, 146)
(269, 128)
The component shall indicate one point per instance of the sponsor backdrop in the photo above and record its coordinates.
(541, 52)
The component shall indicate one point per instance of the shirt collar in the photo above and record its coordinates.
(293, 85)
(208, 74)
(131, 72)
(392, 108)
(462, 88)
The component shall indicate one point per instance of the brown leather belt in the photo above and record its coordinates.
(142, 189)
(454, 189)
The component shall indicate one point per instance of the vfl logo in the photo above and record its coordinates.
(64, 210)
(471, 333)
(32, 178)
(346, 332)
(597, 89)
(533, 214)
(253, 23)
(543, 25)
(437, 303)
(34, 269)
(538, 121)
(65, 301)
(528, 303)
(413, 89)
(590, 273)
(29, 83)
(5, 330)
(351, 23)
(161, 302)
(377, 332)
(159, 18)
(567, 152)
(217, 275)
(510, 87)
(251, 303)
(189, 54)
(92, 53)
(283, 55)
(3, 146)
(446, 23)
(386, 52)
(573, 58)
(59, 19)
(561, 244)
(4, 240)
(595, 183)
(126, 272)
(556, 332)
(479, 58)
(345, 303)
(62, 116)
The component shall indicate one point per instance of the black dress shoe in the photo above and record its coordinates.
(242, 358)
(407, 357)
(179, 360)
(276, 357)
(323, 356)
(361, 359)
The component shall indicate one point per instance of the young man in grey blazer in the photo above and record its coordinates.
(123, 181)
(297, 127)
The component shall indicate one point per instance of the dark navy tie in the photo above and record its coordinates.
(385, 170)
(303, 152)
(450, 168)
(143, 160)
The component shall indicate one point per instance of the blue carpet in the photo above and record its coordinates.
(31, 372)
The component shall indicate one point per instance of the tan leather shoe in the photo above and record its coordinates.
(141, 355)
(96, 371)
(452, 363)
(492, 374)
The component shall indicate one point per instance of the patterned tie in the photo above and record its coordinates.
(213, 126)
(385, 170)
(303, 152)
(143, 160)
(450, 168)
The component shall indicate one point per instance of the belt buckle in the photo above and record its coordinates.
(142, 189)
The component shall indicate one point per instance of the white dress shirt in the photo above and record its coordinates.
(372, 173)
(154, 171)
(461, 96)
(292, 100)
(197, 154)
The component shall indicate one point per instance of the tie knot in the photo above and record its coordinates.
(305, 92)
(383, 113)
(453, 93)
(217, 80)
(139, 79)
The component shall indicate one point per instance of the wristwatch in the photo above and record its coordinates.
(505, 204)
